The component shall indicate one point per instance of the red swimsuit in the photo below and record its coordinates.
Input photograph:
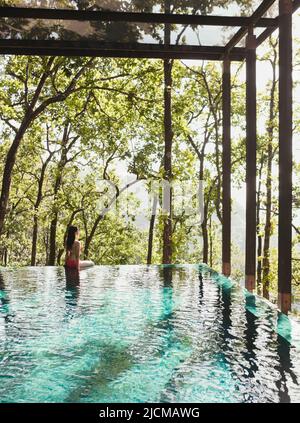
(71, 263)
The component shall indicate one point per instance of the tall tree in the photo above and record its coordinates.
(271, 150)
(39, 197)
(33, 102)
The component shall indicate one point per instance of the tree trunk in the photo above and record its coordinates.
(12, 152)
(86, 251)
(259, 263)
(6, 250)
(59, 256)
(205, 241)
(52, 240)
(210, 243)
(58, 181)
(36, 209)
(266, 259)
(259, 235)
(46, 243)
(5, 257)
(54, 221)
(7, 173)
(268, 226)
(34, 240)
(151, 230)
(204, 225)
(201, 156)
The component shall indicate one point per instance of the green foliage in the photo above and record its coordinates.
(112, 123)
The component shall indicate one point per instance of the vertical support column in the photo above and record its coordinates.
(226, 171)
(168, 135)
(250, 264)
(285, 156)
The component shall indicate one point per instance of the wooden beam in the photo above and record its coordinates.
(269, 31)
(250, 263)
(265, 35)
(111, 16)
(260, 11)
(98, 49)
(226, 164)
(285, 156)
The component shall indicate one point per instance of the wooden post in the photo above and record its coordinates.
(226, 164)
(250, 265)
(168, 133)
(285, 156)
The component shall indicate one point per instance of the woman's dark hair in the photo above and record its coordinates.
(71, 236)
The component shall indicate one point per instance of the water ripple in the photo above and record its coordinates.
(139, 334)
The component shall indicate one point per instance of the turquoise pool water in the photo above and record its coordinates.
(141, 334)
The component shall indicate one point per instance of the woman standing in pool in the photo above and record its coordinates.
(73, 248)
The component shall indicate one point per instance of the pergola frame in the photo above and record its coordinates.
(228, 53)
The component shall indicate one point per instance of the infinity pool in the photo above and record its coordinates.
(141, 334)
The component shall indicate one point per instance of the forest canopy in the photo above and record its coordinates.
(71, 128)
